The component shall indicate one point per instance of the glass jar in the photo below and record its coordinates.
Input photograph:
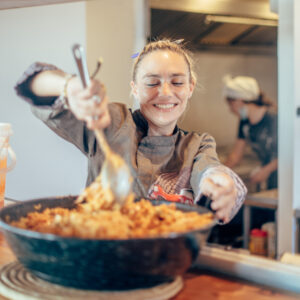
(258, 242)
(6, 153)
(270, 227)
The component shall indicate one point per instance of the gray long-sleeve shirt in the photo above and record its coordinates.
(168, 167)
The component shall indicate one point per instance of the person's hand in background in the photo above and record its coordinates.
(262, 174)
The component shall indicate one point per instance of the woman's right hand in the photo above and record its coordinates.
(83, 105)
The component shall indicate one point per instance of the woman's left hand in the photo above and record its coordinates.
(261, 175)
(220, 187)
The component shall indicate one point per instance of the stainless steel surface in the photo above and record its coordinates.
(246, 8)
(264, 199)
(79, 56)
(115, 174)
(235, 25)
(253, 268)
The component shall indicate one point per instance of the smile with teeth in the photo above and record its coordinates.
(165, 106)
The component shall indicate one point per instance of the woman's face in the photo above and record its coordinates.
(235, 105)
(162, 88)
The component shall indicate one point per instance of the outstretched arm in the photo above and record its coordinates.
(236, 154)
(48, 83)
(211, 178)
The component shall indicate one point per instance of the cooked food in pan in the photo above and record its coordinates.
(97, 216)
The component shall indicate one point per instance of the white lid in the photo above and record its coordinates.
(5, 129)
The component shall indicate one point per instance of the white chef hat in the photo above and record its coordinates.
(241, 87)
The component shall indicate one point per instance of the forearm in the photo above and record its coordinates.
(271, 166)
(232, 161)
(236, 154)
(32, 86)
(48, 83)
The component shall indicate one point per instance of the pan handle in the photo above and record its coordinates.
(205, 201)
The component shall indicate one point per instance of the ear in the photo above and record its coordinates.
(191, 87)
(133, 88)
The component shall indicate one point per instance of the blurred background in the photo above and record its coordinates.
(236, 37)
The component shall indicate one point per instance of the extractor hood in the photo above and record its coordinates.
(222, 25)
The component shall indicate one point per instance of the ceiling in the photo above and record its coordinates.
(219, 30)
(11, 4)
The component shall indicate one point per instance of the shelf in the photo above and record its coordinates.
(10, 4)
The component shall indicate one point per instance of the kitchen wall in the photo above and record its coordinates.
(116, 29)
(208, 111)
(46, 164)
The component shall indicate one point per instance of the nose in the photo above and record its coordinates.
(165, 89)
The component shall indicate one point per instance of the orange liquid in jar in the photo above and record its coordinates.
(3, 163)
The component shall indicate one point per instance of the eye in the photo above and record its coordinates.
(178, 83)
(179, 80)
(152, 84)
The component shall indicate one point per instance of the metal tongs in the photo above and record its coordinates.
(115, 173)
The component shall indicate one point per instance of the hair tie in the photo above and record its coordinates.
(135, 55)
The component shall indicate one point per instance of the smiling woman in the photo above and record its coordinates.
(161, 155)
(163, 89)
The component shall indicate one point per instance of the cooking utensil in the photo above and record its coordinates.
(101, 264)
(115, 173)
(206, 202)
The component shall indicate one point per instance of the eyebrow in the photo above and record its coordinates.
(150, 75)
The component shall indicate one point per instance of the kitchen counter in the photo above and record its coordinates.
(267, 199)
(199, 284)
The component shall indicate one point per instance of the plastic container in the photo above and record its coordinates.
(7, 157)
(271, 240)
(258, 242)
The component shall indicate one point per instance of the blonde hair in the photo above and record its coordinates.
(166, 44)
